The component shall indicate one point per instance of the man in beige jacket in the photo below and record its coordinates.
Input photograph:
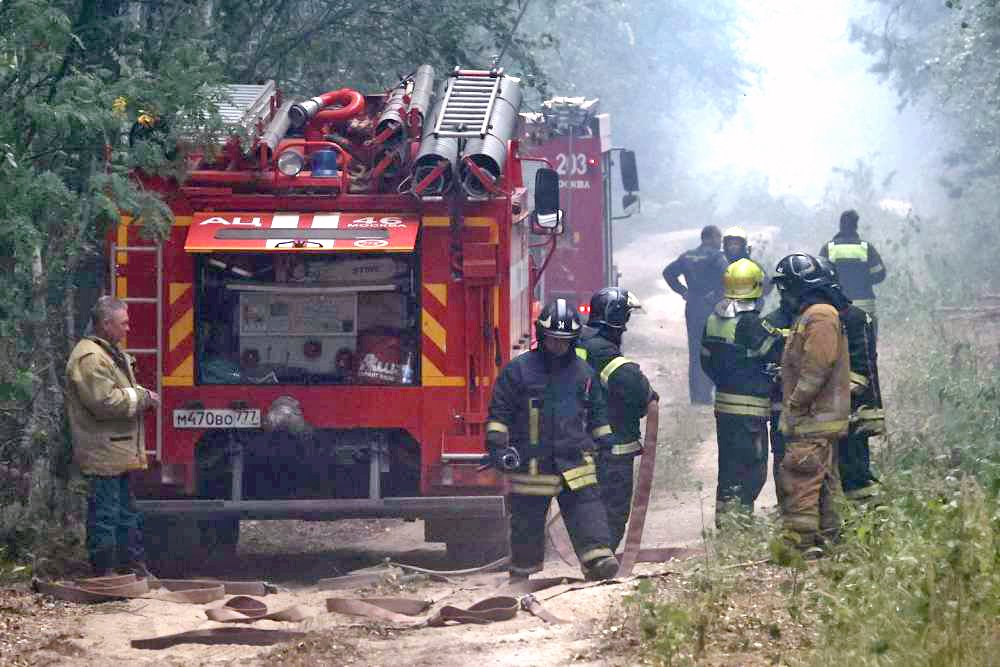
(816, 386)
(105, 405)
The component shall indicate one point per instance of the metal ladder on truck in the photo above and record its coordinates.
(156, 302)
(468, 103)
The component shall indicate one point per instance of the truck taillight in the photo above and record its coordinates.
(584, 309)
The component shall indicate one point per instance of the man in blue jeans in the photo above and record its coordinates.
(105, 405)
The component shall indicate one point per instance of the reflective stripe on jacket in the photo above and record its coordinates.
(553, 414)
(735, 350)
(859, 267)
(105, 405)
(815, 370)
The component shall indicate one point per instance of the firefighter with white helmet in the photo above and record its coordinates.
(736, 246)
(630, 399)
(737, 346)
(547, 414)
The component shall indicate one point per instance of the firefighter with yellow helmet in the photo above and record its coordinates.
(737, 346)
(736, 246)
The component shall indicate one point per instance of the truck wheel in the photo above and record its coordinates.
(173, 545)
(220, 537)
(472, 554)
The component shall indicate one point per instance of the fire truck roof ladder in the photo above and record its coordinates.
(157, 302)
(247, 106)
(468, 103)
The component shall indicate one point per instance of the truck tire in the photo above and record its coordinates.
(173, 545)
(220, 537)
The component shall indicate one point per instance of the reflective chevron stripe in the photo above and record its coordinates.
(581, 476)
(626, 448)
(741, 404)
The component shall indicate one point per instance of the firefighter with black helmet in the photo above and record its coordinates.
(736, 245)
(736, 348)
(815, 377)
(630, 398)
(867, 417)
(547, 413)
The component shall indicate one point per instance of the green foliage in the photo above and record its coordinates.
(917, 579)
(664, 629)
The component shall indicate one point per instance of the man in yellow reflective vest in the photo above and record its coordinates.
(858, 264)
(736, 347)
(630, 398)
(816, 404)
(547, 414)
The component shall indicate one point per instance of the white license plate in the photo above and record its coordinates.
(217, 418)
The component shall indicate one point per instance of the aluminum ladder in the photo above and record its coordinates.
(157, 302)
(468, 103)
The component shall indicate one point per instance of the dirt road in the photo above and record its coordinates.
(294, 555)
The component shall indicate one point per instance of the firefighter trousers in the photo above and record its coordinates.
(586, 523)
(742, 459)
(696, 313)
(615, 477)
(810, 481)
(854, 460)
(114, 526)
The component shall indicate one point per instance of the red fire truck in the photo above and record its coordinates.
(329, 311)
(576, 141)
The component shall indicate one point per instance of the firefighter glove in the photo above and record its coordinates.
(506, 459)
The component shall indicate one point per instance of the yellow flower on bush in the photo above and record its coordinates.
(119, 105)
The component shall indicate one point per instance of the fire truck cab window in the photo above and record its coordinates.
(289, 318)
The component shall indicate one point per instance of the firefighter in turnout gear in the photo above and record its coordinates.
(547, 414)
(815, 376)
(702, 270)
(867, 417)
(630, 398)
(736, 245)
(737, 345)
(858, 264)
(781, 320)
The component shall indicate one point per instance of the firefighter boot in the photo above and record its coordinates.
(600, 569)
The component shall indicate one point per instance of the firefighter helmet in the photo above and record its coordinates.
(558, 320)
(831, 269)
(739, 234)
(612, 306)
(798, 272)
(743, 279)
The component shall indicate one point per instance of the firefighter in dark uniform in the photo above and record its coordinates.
(781, 320)
(867, 417)
(547, 413)
(702, 270)
(736, 245)
(630, 398)
(858, 264)
(736, 348)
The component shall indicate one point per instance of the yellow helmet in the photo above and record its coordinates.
(744, 279)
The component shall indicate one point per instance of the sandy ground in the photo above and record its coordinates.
(294, 555)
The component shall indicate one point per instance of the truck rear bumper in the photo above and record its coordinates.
(445, 507)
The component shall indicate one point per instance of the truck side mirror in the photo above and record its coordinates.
(630, 173)
(548, 216)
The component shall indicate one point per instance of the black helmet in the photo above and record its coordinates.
(798, 272)
(558, 320)
(831, 270)
(612, 306)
